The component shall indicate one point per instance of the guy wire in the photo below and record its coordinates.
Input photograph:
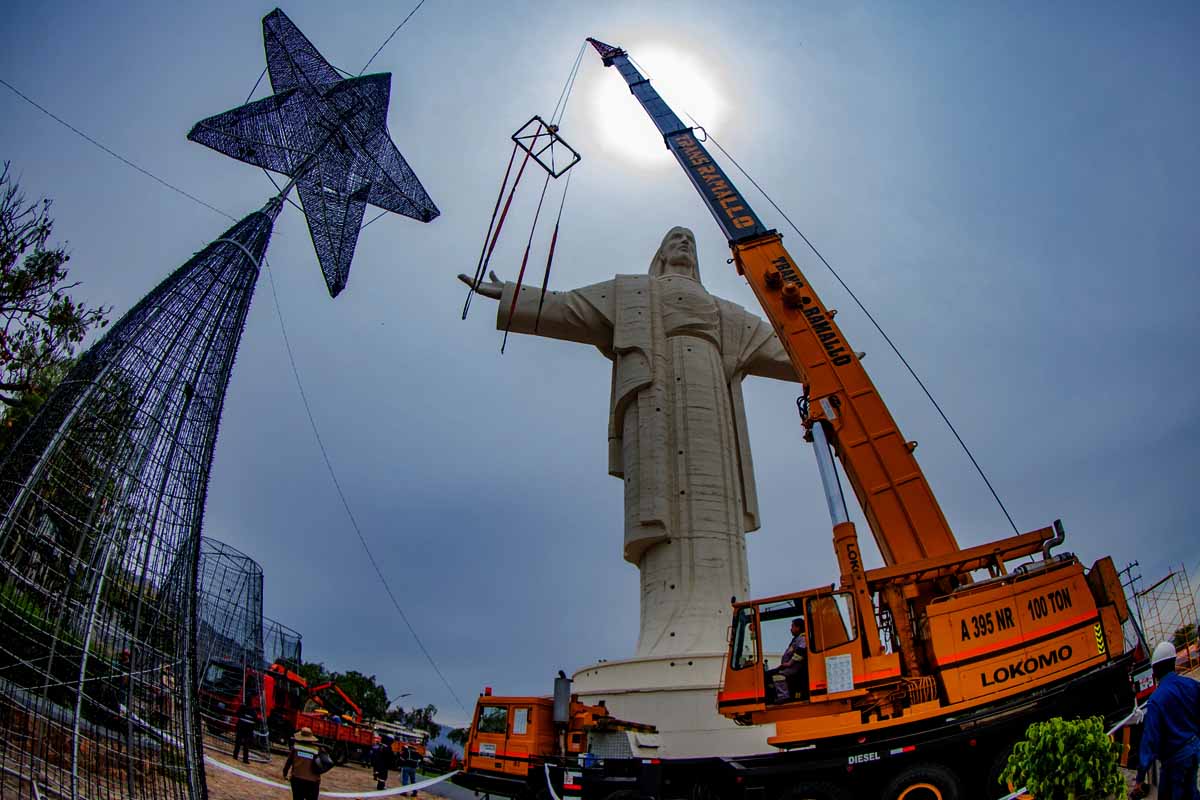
(878, 327)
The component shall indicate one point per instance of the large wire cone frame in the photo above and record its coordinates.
(103, 497)
(103, 494)
(329, 134)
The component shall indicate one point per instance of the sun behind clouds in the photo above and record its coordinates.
(683, 80)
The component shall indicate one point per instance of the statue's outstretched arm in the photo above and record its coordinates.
(492, 288)
(766, 357)
(583, 315)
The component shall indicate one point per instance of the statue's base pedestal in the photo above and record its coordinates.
(678, 694)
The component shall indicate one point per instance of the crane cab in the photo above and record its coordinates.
(834, 669)
(936, 637)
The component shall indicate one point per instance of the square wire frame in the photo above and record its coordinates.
(541, 141)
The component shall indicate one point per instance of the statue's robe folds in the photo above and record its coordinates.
(677, 436)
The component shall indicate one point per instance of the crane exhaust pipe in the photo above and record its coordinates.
(562, 698)
(1060, 536)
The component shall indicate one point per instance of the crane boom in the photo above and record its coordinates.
(901, 510)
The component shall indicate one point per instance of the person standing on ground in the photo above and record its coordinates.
(408, 767)
(1171, 731)
(243, 735)
(306, 781)
(381, 761)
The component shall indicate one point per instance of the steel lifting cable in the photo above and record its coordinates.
(550, 257)
(496, 223)
(479, 266)
(560, 110)
(499, 224)
(524, 261)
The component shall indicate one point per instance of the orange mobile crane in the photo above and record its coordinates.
(918, 675)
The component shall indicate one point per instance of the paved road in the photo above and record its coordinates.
(452, 791)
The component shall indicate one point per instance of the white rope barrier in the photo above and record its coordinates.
(412, 787)
(550, 783)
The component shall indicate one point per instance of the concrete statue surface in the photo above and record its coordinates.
(677, 430)
(678, 439)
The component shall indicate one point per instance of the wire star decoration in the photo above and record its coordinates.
(329, 134)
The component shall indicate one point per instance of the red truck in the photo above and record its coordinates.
(224, 688)
(332, 716)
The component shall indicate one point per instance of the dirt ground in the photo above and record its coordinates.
(224, 785)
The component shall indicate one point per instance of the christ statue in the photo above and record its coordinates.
(676, 430)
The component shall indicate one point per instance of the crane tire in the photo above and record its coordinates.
(924, 782)
(339, 753)
(815, 790)
(998, 763)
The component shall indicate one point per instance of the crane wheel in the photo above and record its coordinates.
(339, 753)
(924, 782)
(995, 769)
(817, 790)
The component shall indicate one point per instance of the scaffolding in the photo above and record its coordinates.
(1167, 610)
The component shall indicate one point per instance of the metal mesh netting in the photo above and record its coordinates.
(229, 641)
(328, 133)
(281, 644)
(102, 497)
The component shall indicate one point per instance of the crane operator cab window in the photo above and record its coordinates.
(785, 641)
(832, 621)
(744, 642)
(790, 641)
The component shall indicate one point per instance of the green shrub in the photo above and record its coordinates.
(1066, 760)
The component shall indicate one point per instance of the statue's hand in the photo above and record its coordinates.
(493, 288)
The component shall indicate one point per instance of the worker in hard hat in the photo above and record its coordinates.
(1171, 731)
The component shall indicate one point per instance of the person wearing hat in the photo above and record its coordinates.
(790, 672)
(1171, 731)
(301, 763)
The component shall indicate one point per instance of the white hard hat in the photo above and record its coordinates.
(1164, 651)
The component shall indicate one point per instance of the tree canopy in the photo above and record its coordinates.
(41, 325)
(365, 690)
(372, 697)
(417, 718)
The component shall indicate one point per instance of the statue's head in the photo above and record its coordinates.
(676, 255)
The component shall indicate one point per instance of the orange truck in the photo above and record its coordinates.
(919, 675)
(513, 740)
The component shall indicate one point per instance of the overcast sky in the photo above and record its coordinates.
(1011, 189)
